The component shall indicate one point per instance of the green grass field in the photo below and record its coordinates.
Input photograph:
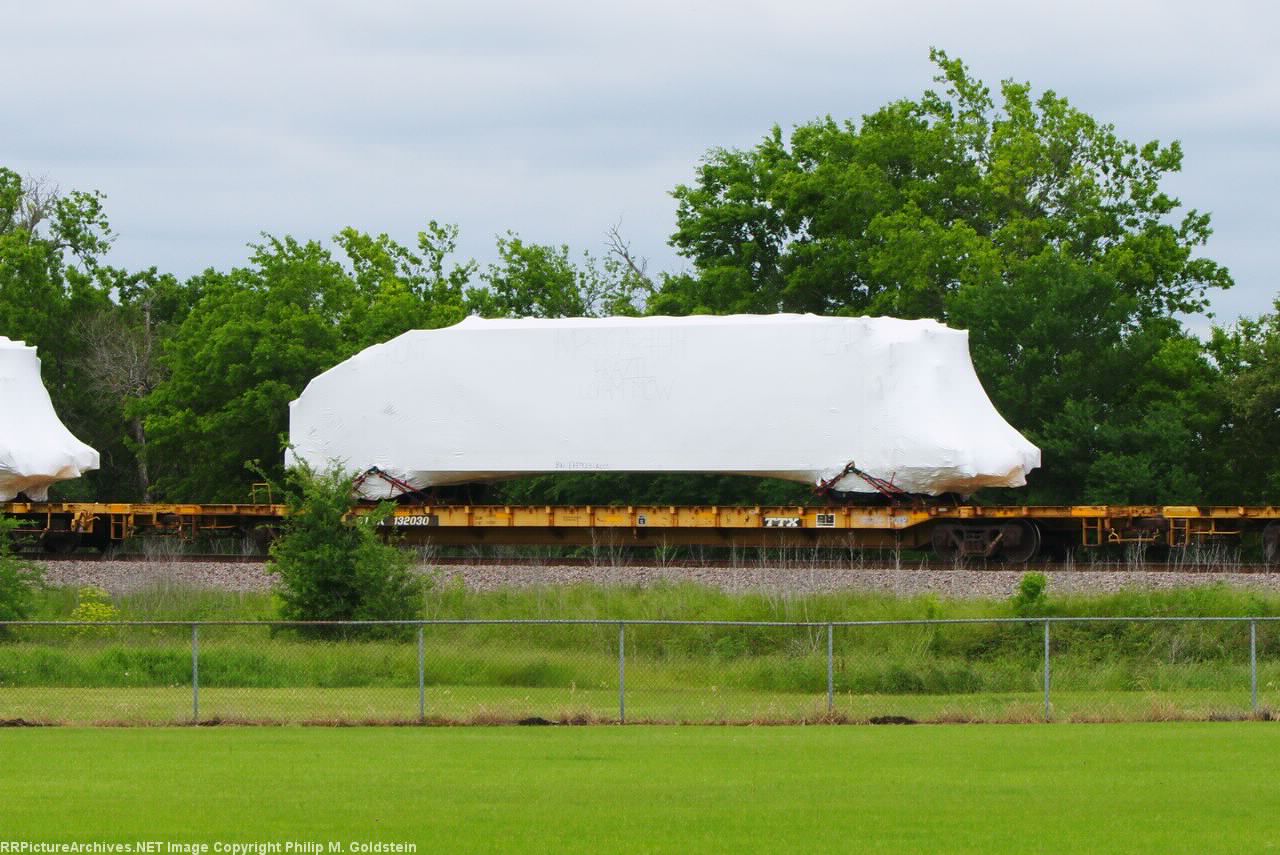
(1182, 787)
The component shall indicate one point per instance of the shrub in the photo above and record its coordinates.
(331, 562)
(1032, 594)
(18, 579)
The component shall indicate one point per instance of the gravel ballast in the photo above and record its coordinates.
(120, 577)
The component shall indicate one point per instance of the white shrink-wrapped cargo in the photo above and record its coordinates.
(797, 397)
(36, 449)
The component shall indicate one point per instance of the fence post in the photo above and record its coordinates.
(1046, 670)
(622, 673)
(1253, 664)
(831, 674)
(422, 677)
(195, 672)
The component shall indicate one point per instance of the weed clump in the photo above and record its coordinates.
(93, 607)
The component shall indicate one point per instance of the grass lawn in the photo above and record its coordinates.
(1184, 787)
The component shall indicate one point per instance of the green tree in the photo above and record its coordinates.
(398, 288)
(258, 334)
(1027, 222)
(250, 344)
(537, 281)
(120, 347)
(1248, 354)
(50, 246)
(332, 564)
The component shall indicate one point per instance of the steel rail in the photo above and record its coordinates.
(1206, 567)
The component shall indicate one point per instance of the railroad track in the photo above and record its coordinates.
(1186, 566)
(134, 558)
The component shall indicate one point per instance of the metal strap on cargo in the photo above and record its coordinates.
(404, 487)
(885, 488)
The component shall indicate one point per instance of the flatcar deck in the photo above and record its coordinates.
(1011, 531)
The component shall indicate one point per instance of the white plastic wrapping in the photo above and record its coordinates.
(796, 397)
(36, 449)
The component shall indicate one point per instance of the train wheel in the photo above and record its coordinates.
(1271, 543)
(946, 540)
(258, 540)
(60, 542)
(1019, 541)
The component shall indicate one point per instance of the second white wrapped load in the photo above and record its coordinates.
(797, 397)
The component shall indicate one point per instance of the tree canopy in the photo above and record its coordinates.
(1023, 220)
(1248, 358)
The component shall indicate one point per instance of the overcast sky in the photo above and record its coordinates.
(208, 123)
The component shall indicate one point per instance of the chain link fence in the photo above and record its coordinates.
(546, 671)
